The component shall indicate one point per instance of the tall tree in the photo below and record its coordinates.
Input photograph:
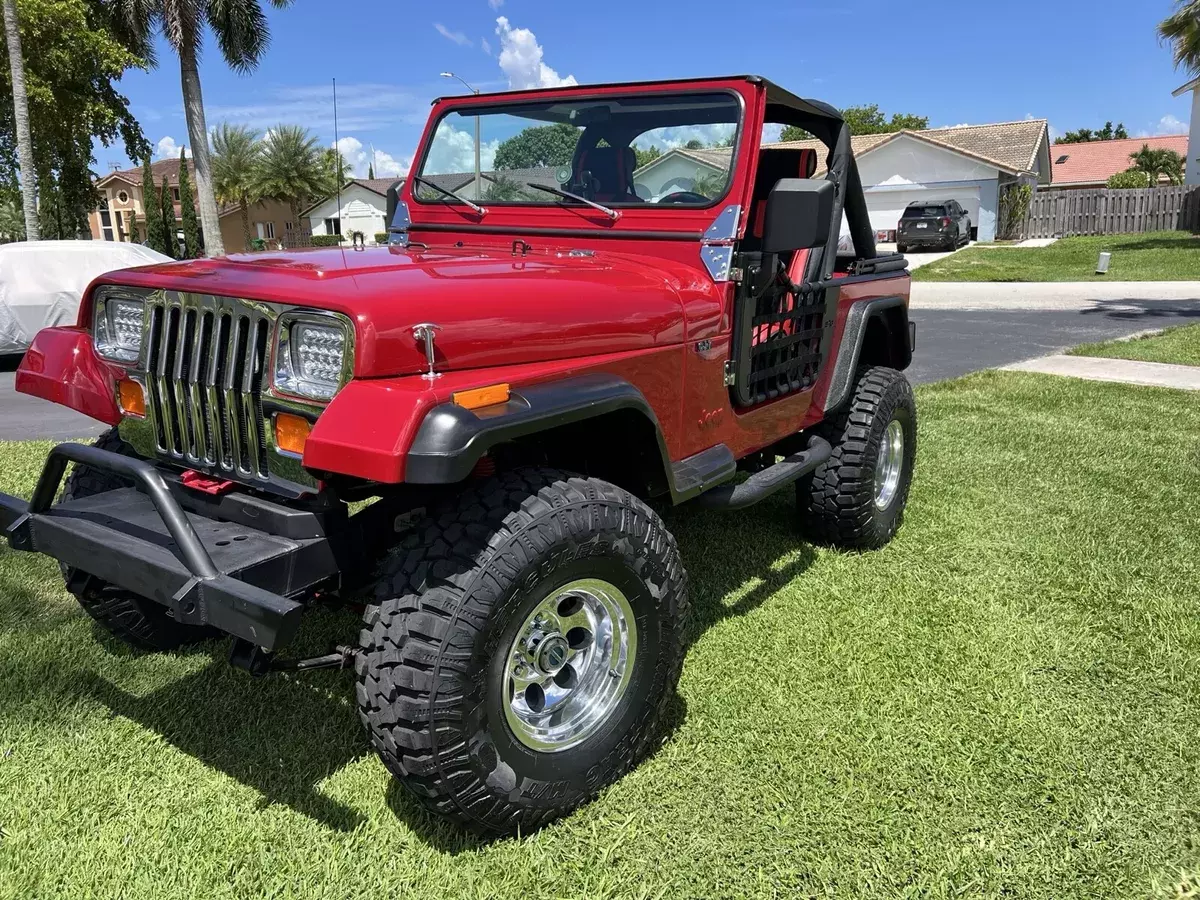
(192, 248)
(74, 58)
(866, 119)
(16, 61)
(1182, 29)
(156, 237)
(240, 27)
(1086, 135)
(236, 152)
(12, 219)
(542, 145)
(292, 169)
(170, 227)
(371, 171)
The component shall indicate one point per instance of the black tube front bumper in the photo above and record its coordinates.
(207, 570)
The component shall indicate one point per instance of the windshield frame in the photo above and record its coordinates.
(463, 106)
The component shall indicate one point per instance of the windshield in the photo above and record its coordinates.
(674, 150)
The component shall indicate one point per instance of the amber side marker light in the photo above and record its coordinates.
(132, 398)
(477, 398)
(291, 432)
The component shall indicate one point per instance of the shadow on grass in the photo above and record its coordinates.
(1132, 309)
(280, 735)
(284, 734)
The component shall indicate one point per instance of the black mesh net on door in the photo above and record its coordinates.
(783, 343)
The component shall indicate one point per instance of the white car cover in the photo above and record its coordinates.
(42, 282)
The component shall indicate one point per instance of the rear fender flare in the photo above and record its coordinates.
(892, 313)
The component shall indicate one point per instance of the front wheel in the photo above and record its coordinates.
(856, 499)
(522, 649)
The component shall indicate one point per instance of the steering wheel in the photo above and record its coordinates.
(685, 197)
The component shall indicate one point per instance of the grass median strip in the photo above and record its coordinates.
(1154, 256)
(1180, 346)
(1001, 702)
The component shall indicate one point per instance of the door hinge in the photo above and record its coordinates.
(730, 378)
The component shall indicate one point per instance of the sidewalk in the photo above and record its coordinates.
(1047, 295)
(1126, 371)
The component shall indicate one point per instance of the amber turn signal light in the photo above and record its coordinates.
(132, 398)
(291, 432)
(477, 398)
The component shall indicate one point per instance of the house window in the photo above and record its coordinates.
(106, 222)
(175, 194)
(266, 230)
(123, 197)
(287, 226)
(333, 226)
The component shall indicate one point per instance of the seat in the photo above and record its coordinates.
(774, 165)
(611, 170)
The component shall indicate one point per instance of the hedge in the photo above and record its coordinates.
(381, 237)
(326, 240)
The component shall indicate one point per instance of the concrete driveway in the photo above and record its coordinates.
(918, 258)
(23, 417)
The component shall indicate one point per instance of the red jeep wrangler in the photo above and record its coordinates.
(564, 329)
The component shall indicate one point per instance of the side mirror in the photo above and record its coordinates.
(393, 194)
(799, 215)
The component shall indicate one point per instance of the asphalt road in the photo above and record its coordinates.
(960, 329)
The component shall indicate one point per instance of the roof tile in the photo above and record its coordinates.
(1096, 161)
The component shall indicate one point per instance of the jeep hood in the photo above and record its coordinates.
(493, 308)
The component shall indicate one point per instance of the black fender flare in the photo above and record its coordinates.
(842, 380)
(451, 439)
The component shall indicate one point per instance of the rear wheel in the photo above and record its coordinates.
(137, 621)
(856, 499)
(522, 649)
(902, 248)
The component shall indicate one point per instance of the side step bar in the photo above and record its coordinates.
(762, 484)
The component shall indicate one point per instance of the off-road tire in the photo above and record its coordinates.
(902, 249)
(448, 604)
(139, 622)
(836, 502)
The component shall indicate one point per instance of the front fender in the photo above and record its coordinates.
(61, 366)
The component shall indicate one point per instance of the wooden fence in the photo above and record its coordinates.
(1104, 211)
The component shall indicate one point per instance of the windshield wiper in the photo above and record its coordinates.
(448, 193)
(611, 213)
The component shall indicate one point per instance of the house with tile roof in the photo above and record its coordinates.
(120, 215)
(971, 164)
(1091, 164)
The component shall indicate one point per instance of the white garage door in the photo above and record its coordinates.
(886, 207)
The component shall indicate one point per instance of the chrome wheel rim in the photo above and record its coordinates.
(570, 665)
(889, 465)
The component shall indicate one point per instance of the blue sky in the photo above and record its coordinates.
(1074, 62)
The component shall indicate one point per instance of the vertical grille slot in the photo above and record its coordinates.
(205, 373)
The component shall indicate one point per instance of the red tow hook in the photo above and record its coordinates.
(199, 482)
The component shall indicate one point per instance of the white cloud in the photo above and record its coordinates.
(360, 159)
(485, 46)
(1170, 125)
(677, 135)
(521, 59)
(771, 133)
(168, 149)
(495, 4)
(457, 36)
(452, 151)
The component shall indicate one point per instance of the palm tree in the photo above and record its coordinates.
(236, 153)
(240, 27)
(292, 168)
(1182, 29)
(1158, 162)
(12, 35)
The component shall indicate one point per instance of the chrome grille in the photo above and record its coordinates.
(205, 367)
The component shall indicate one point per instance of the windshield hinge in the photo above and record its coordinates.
(716, 247)
(730, 377)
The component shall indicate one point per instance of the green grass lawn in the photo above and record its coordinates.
(1174, 345)
(1004, 702)
(1156, 256)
